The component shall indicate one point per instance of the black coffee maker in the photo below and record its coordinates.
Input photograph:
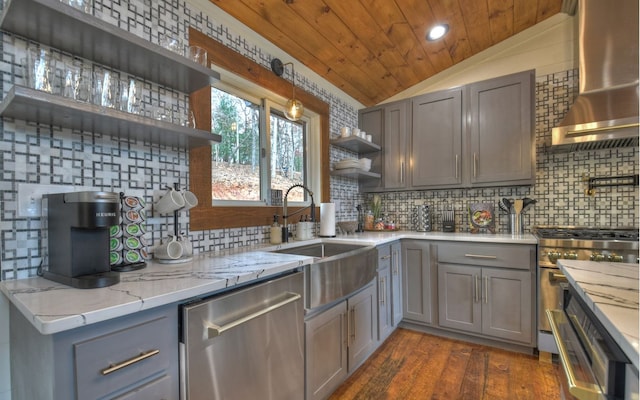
(76, 246)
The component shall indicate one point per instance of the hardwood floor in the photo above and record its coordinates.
(414, 365)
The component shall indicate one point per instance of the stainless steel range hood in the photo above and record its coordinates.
(605, 113)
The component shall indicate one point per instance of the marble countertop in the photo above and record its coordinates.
(53, 307)
(611, 291)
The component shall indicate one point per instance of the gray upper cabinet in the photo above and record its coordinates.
(436, 139)
(477, 135)
(394, 150)
(501, 130)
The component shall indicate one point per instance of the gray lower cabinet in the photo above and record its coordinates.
(419, 280)
(130, 357)
(487, 289)
(396, 283)
(385, 318)
(339, 340)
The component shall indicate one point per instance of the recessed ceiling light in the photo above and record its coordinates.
(437, 32)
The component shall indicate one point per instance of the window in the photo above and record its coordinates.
(250, 161)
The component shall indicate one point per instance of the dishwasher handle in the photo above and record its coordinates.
(214, 330)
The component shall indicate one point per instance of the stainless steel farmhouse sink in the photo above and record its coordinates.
(339, 269)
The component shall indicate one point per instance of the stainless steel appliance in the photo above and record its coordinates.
(594, 365)
(575, 243)
(75, 236)
(605, 113)
(248, 344)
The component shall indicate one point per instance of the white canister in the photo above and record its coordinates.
(327, 219)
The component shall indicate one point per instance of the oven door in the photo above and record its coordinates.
(581, 381)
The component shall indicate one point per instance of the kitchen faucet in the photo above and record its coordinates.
(285, 225)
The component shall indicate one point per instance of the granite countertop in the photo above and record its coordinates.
(53, 307)
(611, 291)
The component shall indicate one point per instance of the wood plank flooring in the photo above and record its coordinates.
(414, 365)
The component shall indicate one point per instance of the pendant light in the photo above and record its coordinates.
(294, 108)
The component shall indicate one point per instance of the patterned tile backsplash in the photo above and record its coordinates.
(39, 154)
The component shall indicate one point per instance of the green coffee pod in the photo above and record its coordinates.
(132, 256)
(132, 243)
(133, 230)
(115, 258)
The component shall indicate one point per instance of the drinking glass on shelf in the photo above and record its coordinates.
(171, 41)
(76, 82)
(199, 55)
(40, 69)
(105, 88)
(82, 5)
(131, 93)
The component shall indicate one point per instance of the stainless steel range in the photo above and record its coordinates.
(574, 243)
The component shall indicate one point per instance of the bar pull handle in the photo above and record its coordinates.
(477, 289)
(381, 290)
(402, 172)
(586, 390)
(557, 277)
(486, 289)
(353, 325)
(142, 356)
(457, 166)
(214, 330)
(481, 256)
(475, 164)
(388, 256)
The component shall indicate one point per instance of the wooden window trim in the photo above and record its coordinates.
(205, 216)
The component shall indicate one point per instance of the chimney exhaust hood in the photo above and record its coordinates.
(605, 113)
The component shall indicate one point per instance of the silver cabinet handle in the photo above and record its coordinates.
(475, 165)
(388, 256)
(214, 330)
(131, 361)
(396, 268)
(457, 166)
(486, 289)
(381, 290)
(402, 172)
(353, 325)
(481, 256)
(477, 289)
(584, 390)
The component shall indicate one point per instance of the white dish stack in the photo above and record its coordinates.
(363, 164)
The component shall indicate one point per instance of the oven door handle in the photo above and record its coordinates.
(214, 330)
(581, 390)
(557, 277)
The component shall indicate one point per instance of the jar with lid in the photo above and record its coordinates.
(369, 221)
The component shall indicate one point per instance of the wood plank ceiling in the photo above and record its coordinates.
(373, 49)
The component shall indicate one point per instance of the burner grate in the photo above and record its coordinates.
(587, 233)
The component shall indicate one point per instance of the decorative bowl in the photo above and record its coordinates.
(348, 226)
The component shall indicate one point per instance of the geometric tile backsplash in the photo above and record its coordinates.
(34, 153)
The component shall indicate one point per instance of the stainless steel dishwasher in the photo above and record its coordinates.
(247, 344)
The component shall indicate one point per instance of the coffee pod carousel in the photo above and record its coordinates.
(177, 248)
(127, 244)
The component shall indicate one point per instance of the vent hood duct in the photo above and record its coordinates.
(605, 113)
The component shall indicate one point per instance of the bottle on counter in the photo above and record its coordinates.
(276, 231)
(369, 221)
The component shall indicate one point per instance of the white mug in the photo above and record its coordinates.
(190, 200)
(170, 250)
(187, 247)
(345, 131)
(170, 202)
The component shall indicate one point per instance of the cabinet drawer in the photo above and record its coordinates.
(96, 359)
(516, 256)
(157, 389)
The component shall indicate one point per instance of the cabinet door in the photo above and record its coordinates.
(395, 146)
(363, 323)
(326, 351)
(396, 283)
(436, 139)
(507, 306)
(371, 120)
(459, 297)
(385, 326)
(417, 287)
(502, 129)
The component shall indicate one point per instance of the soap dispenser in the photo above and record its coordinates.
(276, 231)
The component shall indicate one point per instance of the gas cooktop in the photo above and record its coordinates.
(586, 233)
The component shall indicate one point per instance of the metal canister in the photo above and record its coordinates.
(422, 218)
